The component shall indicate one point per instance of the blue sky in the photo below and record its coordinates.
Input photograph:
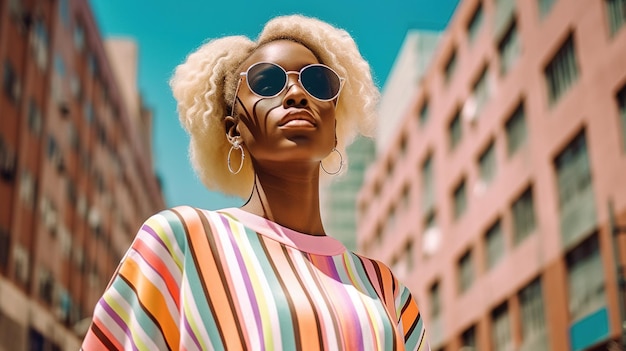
(167, 31)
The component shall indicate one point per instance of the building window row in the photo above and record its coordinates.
(586, 296)
(531, 320)
(523, 214)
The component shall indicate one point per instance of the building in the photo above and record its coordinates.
(338, 197)
(75, 179)
(502, 200)
(409, 68)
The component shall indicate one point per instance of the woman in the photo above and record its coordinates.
(266, 118)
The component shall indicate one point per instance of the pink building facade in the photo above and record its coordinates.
(500, 203)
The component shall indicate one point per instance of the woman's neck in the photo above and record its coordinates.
(289, 197)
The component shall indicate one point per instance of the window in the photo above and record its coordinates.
(79, 36)
(428, 185)
(480, 91)
(460, 200)
(34, 117)
(468, 338)
(46, 285)
(509, 49)
(576, 199)
(52, 149)
(391, 219)
(28, 189)
(11, 83)
(64, 11)
(501, 328)
(435, 300)
(487, 162)
(76, 88)
(562, 71)
(431, 220)
(88, 111)
(516, 130)
(544, 7)
(621, 103)
(403, 263)
(473, 27)
(533, 323)
(431, 236)
(423, 113)
(523, 215)
(8, 161)
(403, 145)
(40, 43)
(466, 271)
(617, 14)
(585, 279)
(20, 264)
(16, 10)
(572, 166)
(450, 67)
(455, 130)
(494, 240)
(406, 196)
(92, 65)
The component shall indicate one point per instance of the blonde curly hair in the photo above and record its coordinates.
(204, 88)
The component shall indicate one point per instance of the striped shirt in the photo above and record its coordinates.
(213, 280)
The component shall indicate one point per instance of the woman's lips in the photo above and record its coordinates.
(298, 119)
(298, 123)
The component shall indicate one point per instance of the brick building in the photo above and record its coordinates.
(76, 175)
(501, 202)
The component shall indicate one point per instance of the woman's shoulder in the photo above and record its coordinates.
(180, 224)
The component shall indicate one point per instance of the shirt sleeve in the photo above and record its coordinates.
(410, 322)
(140, 307)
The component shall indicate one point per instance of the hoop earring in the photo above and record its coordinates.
(340, 164)
(236, 146)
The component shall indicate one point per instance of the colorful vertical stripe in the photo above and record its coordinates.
(215, 280)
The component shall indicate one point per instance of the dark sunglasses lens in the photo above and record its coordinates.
(320, 81)
(266, 79)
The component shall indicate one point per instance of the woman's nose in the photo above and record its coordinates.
(295, 95)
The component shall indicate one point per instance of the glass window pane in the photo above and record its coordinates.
(523, 215)
(495, 244)
(562, 71)
(475, 23)
(460, 200)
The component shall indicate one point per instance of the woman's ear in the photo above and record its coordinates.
(230, 125)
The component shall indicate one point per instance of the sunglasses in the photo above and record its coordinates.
(266, 79)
